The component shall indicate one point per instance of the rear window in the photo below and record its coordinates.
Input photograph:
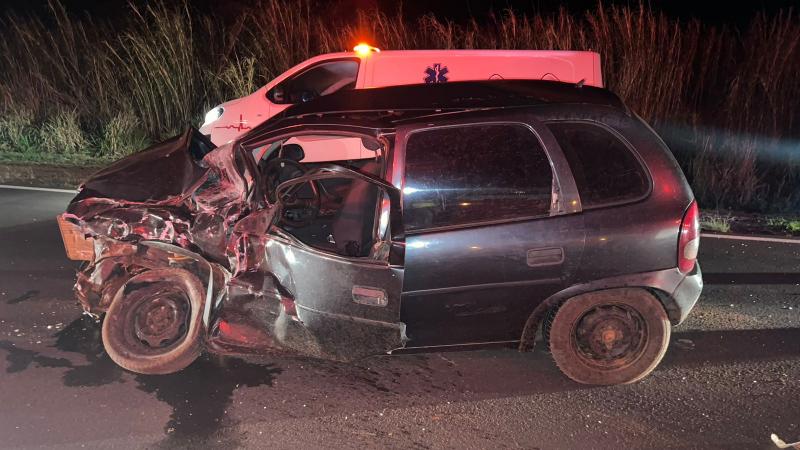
(604, 168)
(475, 173)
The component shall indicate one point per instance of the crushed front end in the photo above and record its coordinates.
(189, 206)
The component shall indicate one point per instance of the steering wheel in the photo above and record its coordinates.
(295, 211)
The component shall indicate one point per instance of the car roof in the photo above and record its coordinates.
(389, 106)
(456, 95)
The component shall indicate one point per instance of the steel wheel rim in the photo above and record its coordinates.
(158, 320)
(609, 337)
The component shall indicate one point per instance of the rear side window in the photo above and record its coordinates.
(475, 173)
(605, 170)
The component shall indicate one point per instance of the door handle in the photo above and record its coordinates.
(545, 256)
(370, 296)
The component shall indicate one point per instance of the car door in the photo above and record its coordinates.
(346, 296)
(492, 223)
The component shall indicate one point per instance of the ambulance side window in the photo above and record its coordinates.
(316, 81)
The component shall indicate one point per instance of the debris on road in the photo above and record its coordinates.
(685, 344)
(779, 442)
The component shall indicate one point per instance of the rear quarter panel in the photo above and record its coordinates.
(640, 236)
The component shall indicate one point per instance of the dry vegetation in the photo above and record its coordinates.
(74, 89)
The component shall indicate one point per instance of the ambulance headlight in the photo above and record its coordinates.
(213, 115)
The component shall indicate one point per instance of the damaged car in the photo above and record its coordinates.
(488, 213)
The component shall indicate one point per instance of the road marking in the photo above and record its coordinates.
(28, 188)
(751, 238)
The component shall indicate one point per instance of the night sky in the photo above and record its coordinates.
(733, 12)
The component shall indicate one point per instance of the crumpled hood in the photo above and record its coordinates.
(183, 191)
(162, 172)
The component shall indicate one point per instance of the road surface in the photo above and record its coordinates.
(730, 378)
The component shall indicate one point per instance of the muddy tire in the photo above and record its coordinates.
(616, 336)
(155, 322)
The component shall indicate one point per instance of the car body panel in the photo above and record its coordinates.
(399, 67)
(402, 67)
(479, 283)
(176, 160)
(646, 230)
(475, 285)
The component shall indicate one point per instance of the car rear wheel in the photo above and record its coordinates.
(154, 323)
(615, 336)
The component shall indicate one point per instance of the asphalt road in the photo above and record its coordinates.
(730, 378)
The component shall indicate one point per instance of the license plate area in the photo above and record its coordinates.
(77, 246)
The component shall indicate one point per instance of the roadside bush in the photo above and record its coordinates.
(725, 99)
(121, 136)
(18, 134)
(61, 134)
(238, 77)
(715, 222)
(156, 56)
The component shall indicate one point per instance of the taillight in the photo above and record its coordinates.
(689, 241)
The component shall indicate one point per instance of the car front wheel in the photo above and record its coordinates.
(615, 336)
(154, 323)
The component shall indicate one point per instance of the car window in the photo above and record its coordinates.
(604, 168)
(343, 224)
(474, 173)
(334, 214)
(322, 79)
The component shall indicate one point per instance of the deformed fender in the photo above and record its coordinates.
(119, 261)
(213, 276)
(661, 283)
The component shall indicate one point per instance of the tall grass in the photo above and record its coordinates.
(724, 98)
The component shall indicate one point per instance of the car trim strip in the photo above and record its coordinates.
(472, 287)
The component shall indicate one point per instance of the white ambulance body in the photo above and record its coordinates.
(367, 67)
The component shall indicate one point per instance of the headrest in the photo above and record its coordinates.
(293, 151)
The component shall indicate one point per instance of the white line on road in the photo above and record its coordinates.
(27, 188)
(751, 238)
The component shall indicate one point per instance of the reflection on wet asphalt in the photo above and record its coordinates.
(199, 395)
(20, 359)
(25, 296)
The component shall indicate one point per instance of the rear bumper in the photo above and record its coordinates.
(686, 294)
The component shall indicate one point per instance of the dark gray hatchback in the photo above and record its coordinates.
(470, 214)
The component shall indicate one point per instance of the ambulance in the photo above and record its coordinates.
(369, 67)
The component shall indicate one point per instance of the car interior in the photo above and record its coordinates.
(337, 215)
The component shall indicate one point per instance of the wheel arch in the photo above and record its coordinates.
(659, 284)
